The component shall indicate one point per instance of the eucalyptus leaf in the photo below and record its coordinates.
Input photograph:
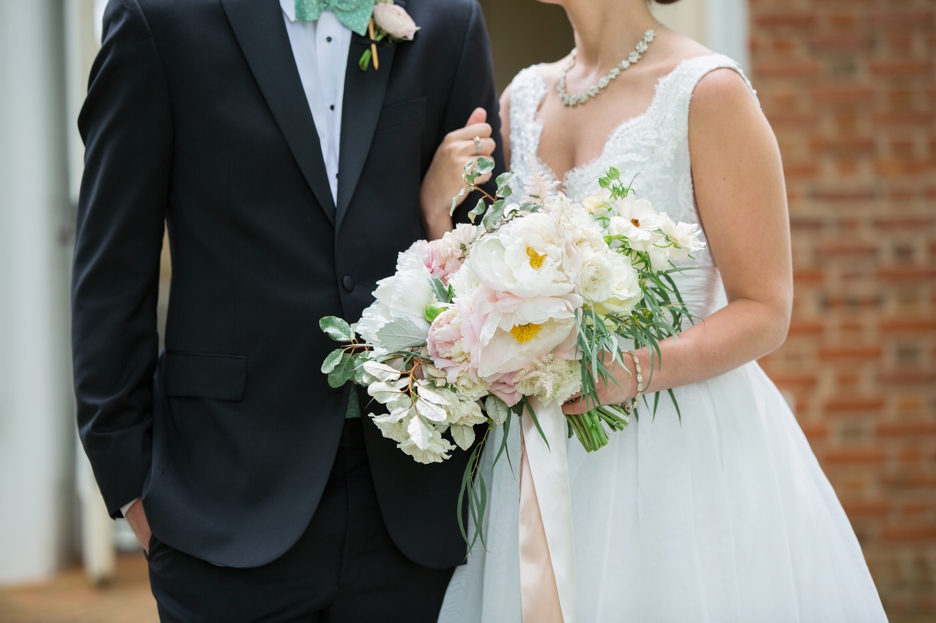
(485, 165)
(496, 409)
(419, 432)
(342, 372)
(455, 200)
(478, 210)
(494, 214)
(336, 328)
(402, 333)
(463, 436)
(503, 184)
(331, 362)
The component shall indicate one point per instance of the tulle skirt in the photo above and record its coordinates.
(723, 517)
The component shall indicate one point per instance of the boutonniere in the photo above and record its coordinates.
(388, 21)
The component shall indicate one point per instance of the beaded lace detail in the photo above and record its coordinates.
(654, 146)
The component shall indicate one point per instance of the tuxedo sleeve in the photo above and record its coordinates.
(126, 124)
(472, 88)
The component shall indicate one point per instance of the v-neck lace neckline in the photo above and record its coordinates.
(619, 129)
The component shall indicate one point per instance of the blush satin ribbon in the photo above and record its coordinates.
(547, 551)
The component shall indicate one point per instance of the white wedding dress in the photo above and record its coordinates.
(725, 517)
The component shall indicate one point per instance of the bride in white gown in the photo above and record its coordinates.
(725, 516)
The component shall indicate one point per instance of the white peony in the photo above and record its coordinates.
(526, 258)
(517, 331)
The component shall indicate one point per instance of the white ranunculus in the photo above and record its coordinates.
(625, 289)
(595, 278)
(469, 386)
(637, 221)
(517, 331)
(599, 204)
(394, 20)
(525, 258)
(684, 237)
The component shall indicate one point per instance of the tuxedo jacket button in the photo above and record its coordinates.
(348, 283)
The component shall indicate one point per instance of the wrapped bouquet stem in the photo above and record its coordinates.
(526, 306)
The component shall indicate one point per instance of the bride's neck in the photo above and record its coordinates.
(606, 31)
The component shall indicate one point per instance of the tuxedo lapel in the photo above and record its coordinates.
(261, 33)
(363, 99)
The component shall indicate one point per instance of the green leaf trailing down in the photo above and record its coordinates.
(342, 372)
(331, 362)
(477, 503)
(336, 328)
(478, 210)
(485, 166)
(529, 408)
(401, 333)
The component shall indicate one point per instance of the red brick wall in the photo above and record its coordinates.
(850, 89)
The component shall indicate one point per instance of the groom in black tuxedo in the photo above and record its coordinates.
(288, 184)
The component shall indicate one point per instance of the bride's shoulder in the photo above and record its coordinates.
(704, 74)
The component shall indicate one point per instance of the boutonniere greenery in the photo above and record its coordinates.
(388, 21)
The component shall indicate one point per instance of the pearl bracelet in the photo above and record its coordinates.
(640, 388)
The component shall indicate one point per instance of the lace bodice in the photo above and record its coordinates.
(654, 145)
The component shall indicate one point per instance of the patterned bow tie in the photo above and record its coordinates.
(355, 14)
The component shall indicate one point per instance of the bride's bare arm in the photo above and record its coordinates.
(739, 187)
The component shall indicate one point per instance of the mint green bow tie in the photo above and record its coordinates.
(355, 14)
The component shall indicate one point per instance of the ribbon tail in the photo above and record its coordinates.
(547, 549)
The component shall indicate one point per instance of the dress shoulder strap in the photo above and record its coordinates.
(677, 88)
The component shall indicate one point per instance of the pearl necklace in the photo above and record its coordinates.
(581, 98)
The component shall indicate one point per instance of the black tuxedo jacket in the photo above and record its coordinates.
(196, 119)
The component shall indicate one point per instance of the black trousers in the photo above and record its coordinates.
(344, 568)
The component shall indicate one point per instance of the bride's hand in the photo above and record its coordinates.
(444, 178)
(610, 393)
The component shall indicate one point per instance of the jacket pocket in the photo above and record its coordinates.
(197, 375)
(401, 112)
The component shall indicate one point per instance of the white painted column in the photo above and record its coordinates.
(82, 41)
(721, 25)
(36, 421)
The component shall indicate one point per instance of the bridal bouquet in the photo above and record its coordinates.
(533, 301)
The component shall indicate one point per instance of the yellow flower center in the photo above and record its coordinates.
(523, 333)
(536, 260)
(635, 222)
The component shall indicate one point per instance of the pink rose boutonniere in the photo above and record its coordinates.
(388, 21)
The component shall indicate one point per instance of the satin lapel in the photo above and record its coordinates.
(261, 33)
(363, 99)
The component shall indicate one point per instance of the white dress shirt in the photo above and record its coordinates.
(321, 52)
